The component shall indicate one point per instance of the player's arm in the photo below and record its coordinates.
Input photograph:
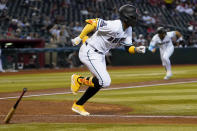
(152, 49)
(179, 37)
(90, 26)
(129, 47)
(152, 46)
(132, 49)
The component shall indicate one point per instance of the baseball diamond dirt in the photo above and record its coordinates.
(60, 112)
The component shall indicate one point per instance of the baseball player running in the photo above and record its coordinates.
(1, 65)
(163, 40)
(108, 34)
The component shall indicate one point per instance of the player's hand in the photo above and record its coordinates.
(154, 50)
(76, 41)
(141, 49)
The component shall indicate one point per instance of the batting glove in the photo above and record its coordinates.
(76, 41)
(141, 49)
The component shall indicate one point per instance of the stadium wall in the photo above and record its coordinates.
(180, 56)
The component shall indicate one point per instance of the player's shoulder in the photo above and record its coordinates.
(171, 33)
(114, 25)
(155, 37)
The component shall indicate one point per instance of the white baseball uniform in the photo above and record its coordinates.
(108, 35)
(1, 67)
(166, 48)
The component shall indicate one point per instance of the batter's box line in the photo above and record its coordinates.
(100, 116)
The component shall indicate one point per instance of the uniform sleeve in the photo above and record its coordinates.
(104, 26)
(152, 45)
(128, 40)
(99, 24)
(90, 26)
(172, 34)
(92, 22)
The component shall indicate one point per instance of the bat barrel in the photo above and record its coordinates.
(12, 110)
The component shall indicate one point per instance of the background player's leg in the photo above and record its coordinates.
(161, 56)
(166, 56)
(1, 66)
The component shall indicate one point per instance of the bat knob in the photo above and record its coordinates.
(24, 89)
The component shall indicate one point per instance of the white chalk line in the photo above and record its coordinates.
(107, 116)
(117, 88)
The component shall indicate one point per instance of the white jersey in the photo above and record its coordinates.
(166, 42)
(110, 34)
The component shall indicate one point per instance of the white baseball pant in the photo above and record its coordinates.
(95, 61)
(1, 66)
(165, 54)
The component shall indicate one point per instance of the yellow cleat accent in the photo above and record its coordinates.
(75, 85)
(80, 109)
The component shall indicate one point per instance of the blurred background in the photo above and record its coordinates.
(36, 34)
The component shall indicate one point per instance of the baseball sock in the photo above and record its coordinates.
(91, 91)
(86, 81)
(168, 67)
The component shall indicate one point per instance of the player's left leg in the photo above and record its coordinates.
(166, 57)
(161, 56)
(78, 106)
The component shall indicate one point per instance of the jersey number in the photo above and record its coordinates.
(115, 40)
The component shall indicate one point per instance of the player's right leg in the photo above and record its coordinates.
(166, 57)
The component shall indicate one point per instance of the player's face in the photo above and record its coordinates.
(162, 36)
(133, 21)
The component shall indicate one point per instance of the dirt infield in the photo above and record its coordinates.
(60, 111)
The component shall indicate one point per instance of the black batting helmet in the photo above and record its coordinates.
(128, 14)
(161, 30)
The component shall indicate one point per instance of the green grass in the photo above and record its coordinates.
(12, 83)
(177, 99)
(96, 127)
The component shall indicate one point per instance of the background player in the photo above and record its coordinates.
(163, 40)
(1, 65)
(108, 34)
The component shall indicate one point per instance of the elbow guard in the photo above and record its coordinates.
(86, 30)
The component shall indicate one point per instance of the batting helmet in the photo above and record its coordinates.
(161, 30)
(128, 14)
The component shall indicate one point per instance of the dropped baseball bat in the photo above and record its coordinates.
(12, 110)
